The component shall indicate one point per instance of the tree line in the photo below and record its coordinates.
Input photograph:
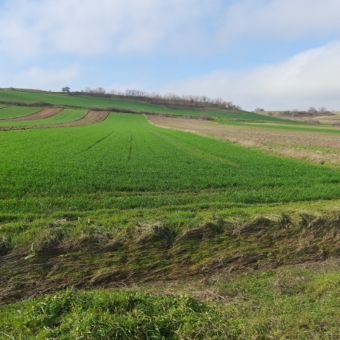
(168, 99)
(311, 112)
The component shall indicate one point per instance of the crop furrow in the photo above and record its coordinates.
(97, 142)
(130, 149)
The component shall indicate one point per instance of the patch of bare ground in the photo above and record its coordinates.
(316, 147)
(91, 117)
(44, 113)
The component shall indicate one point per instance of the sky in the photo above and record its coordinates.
(271, 54)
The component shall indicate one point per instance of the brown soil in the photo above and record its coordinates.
(91, 117)
(44, 113)
(317, 147)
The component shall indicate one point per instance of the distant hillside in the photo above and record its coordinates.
(95, 102)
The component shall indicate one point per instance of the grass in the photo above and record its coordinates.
(290, 303)
(305, 128)
(137, 106)
(125, 162)
(66, 116)
(128, 170)
(187, 237)
(9, 112)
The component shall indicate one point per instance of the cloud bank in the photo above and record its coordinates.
(228, 49)
(86, 27)
(310, 78)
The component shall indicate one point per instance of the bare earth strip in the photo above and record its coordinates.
(44, 113)
(317, 147)
(91, 117)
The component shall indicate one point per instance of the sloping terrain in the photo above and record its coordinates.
(315, 146)
(57, 257)
(91, 117)
(10, 112)
(125, 230)
(42, 114)
(66, 118)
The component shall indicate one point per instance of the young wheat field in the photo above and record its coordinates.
(144, 226)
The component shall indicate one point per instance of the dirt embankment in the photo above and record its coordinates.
(44, 113)
(153, 252)
(317, 147)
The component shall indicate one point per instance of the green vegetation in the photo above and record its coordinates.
(244, 116)
(8, 112)
(124, 162)
(305, 128)
(104, 315)
(66, 116)
(281, 304)
(136, 106)
(188, 237)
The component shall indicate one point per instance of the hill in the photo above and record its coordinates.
(115, 228)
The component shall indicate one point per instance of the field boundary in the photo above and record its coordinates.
(42, 114)
(320, 147)
(122, 258)
(92, 117)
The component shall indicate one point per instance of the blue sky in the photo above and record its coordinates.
(275, 54)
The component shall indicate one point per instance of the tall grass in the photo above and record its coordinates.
(290, 303)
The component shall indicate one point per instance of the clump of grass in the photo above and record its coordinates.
(155, 232)
(296, 302)
(206, 230)
(5, 245)
(105, 315)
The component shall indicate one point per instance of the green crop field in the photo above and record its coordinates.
(66, 116)
(187, 236)
(9, 112)
(87, 102)
(126, 162)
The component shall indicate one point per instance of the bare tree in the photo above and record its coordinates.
(312, 109)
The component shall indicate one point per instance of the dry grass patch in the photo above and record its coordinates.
(315, 147)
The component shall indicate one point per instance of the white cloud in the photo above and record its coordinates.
(280, 19)
(31, 30)
(35, 77)
(32, 27)
(310, 78)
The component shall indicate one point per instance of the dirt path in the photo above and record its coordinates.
(44, 113)
(317, 147)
